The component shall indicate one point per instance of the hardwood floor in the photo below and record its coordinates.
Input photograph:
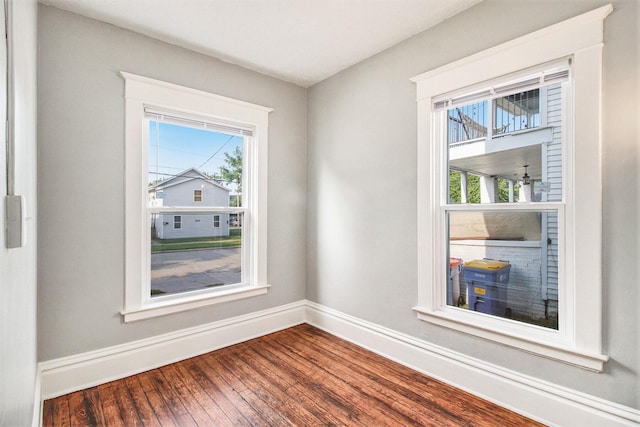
(301, 376)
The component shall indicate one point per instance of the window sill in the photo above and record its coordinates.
(175, 304)
(478, 327)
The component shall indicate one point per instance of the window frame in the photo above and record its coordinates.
(143, 92)
(579, 341)
(177, 222)
(216, 221)
(197, 196)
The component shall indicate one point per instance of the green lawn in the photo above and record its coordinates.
(233, 240)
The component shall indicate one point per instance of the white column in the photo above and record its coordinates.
(488, 189)
(511, 192)
(463, 187)
(525, 193)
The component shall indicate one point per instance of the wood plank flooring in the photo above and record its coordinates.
(301, 376)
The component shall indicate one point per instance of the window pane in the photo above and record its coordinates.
(203, 256)
(467, 122)
(517, 112)
(191, 167)
(505, 166)
(505, 264)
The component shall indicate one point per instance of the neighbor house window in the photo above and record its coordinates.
(509, 193)
(192, 138)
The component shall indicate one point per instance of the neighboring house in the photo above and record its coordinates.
(188, 189)
(525, 130)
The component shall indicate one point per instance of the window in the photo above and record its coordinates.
(177, 139)
(508, 199)
(506, 249)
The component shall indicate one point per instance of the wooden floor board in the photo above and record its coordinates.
(352, 387)
(301, 376)
(408, 408)
(219, 389)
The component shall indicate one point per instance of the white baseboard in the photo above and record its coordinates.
(540, 400)
(537, 399)
(77, 372)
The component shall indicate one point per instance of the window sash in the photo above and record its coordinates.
(246, 267)
(537, 77)
(196, 121)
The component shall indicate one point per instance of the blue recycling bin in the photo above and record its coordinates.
(487, 282)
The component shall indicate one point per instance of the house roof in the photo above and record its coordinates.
(188, 175)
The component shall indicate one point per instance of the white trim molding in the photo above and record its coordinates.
(579, 42)
(77, 372)
(520, 393)
(143, 94)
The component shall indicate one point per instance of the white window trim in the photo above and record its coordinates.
(175, 222)
(194, 196)
(141, 92)
(579, 341)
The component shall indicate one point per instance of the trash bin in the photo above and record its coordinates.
(487, 281)
(453, 293)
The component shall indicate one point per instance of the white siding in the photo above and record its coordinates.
(523, 290)
(182, 194)
(554, 178)
(192, 225)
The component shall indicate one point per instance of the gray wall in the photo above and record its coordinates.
(18, 358)
(361, 199)
(81, 164)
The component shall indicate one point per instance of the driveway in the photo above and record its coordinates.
(181, 271)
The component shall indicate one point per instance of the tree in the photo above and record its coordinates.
(231, 173)
(473, 188)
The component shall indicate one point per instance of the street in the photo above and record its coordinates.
(182, 271)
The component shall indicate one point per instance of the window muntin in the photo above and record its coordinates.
(177, 222)
(197, 195)
(172, 104)
(216, 221)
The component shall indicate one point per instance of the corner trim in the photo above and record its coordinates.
(36, 417)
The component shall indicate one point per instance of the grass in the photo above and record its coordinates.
(233, 240)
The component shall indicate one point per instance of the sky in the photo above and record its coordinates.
(180, 148)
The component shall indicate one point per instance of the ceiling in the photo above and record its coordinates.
(300, 41)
